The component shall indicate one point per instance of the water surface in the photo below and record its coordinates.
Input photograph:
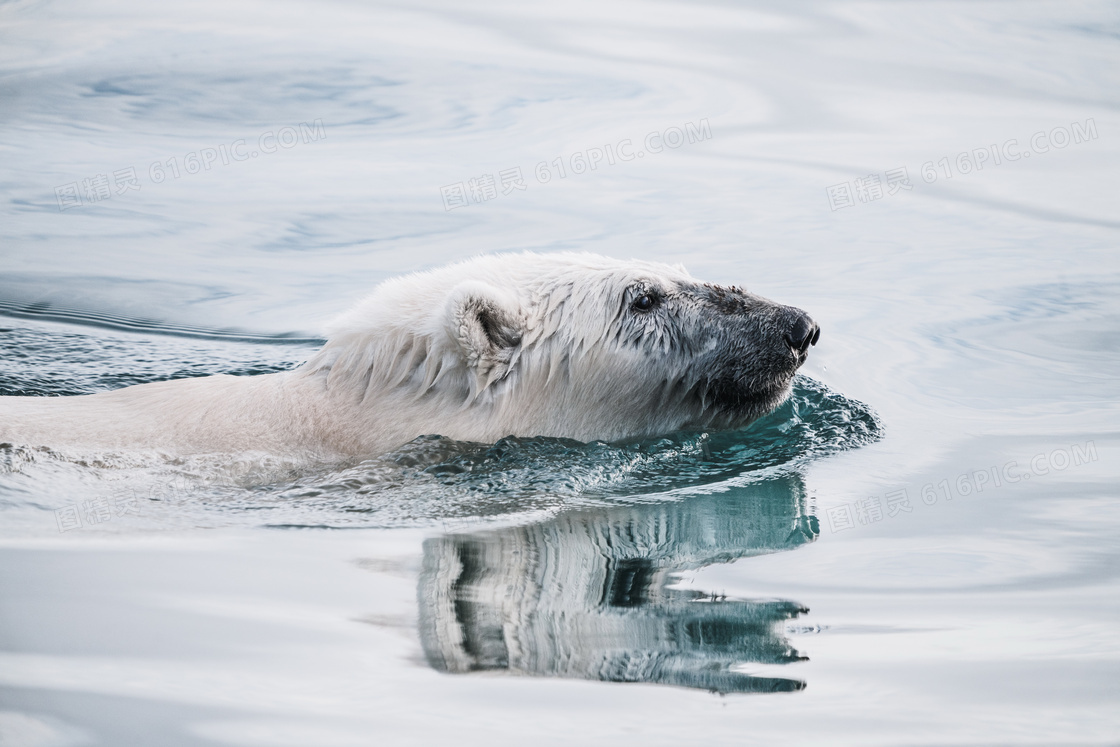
(919, 548)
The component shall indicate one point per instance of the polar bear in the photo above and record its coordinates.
(567, 345)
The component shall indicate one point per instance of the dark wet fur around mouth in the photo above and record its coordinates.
(736, 348)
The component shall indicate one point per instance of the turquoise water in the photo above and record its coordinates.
(918, 548)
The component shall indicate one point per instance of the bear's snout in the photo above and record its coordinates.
(801, 331)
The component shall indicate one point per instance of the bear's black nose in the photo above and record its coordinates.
(802, 332)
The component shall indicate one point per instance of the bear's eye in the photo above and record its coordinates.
(644, 302)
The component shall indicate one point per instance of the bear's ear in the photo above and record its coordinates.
(488, 325)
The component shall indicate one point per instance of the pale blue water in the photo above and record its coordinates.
(919, 548)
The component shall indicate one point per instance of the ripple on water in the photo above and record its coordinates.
(430, 479)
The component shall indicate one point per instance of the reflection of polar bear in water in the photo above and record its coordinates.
(567, 345)
(594, 594)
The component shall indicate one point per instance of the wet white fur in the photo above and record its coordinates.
(412, 359)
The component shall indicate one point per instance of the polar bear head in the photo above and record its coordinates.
(567, 345)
